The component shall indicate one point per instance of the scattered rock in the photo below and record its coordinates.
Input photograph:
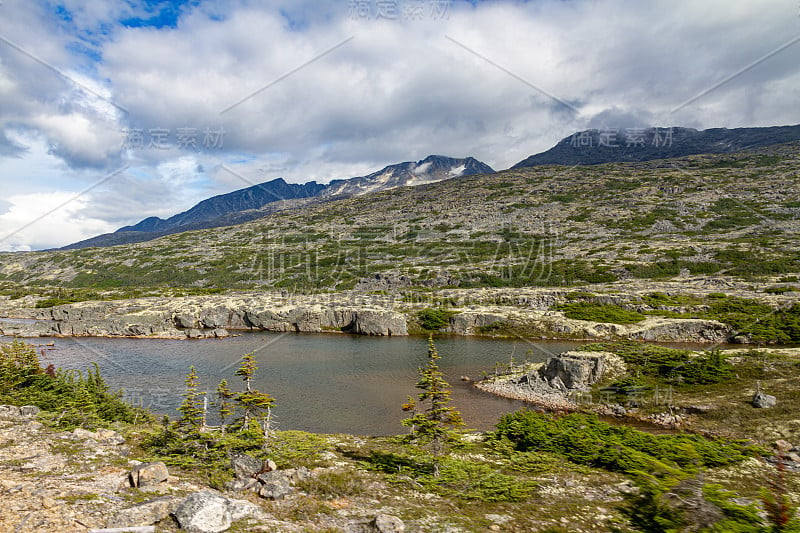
(204, 512)
(698, 409)
(297, 474)
(498, 518)
(144, 514)
(84, 434)
(245, 467)
(386, 523)
(782, 445)
(10, 411)
(148, 474)
(241, 509)
(29, 411)
(108, 436)
(764, 401)
(275, 485)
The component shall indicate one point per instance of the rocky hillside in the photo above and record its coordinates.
(260, 200)
(429, 170)
(223, 210)
(541, 226)
(594, 147)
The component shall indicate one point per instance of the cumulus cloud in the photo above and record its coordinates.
(48, 220)
(304, 90)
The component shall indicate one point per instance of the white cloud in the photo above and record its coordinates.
(46, 220)
(397, 91)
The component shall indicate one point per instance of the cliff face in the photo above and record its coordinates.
(521, 313)
(204, 317)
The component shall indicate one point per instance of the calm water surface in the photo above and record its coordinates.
(327, 383)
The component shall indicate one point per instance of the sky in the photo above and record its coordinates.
(112, 111)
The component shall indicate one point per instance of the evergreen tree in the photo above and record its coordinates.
(436, 423)
(224, 397)
(255, 405)
(192, 406)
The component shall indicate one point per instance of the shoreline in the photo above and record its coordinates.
(529, 313)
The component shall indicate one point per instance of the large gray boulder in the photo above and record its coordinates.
(210, 512)
(143, 514)
(148, 474)
(764, 401)
(386, 523)
(204, 512)
(576, 370)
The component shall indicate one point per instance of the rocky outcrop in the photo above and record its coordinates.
(148, 474)
(525, 312)
(573, 370)
(208, 511)
(206, 317)
(680, 330)
(551, 384)
(146, 513)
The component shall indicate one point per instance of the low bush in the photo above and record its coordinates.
(669, 364)
(74, 398)
(434, 319)
(600, 313)
(586, 440)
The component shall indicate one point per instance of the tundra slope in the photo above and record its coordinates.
(544, 226)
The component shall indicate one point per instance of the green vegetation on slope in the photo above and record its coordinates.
(545, 226)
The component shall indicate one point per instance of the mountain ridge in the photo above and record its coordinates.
(257, 201)
(598, 146)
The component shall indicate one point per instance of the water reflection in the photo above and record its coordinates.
(323, 383)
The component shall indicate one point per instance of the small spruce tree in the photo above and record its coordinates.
(224, 404)
(192, 406)
(437, 422)
(255, 405)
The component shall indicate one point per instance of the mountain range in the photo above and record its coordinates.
(588, 147)
(260, 200)
(598, 146)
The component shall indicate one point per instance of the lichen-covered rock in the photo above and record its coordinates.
(275, 485)
(764, 401)
(147, 474)
(204, 512)
(386, 523)
(144, 514)
(245, 467)
(576, 370)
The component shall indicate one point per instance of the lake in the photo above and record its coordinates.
(325, 383)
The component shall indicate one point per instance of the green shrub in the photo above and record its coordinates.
(600, 313)
(477, 481)
(670, 364)
(52, 302)
(434, 319)
(290, 449)
(586, 440)
(74, 399)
